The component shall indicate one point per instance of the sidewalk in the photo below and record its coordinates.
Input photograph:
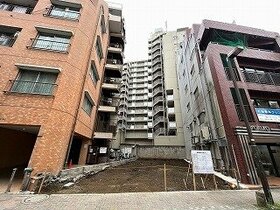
(241, 199)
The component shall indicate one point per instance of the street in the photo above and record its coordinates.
(244, 199)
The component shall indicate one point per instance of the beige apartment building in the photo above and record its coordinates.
(150, 112)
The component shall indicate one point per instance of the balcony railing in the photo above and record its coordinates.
(268, 78)
(157, 90)
(158, 119)
(7, 40)
(155, 61)
(112, 80)
(109, 102)
(114, 61)
(156, 67)
(159, 131)
(62, 14)
(157, 99)
(157, 75)
(158, 109)
(104, 126)
(116, 45)
(49, 45)
(30, 87)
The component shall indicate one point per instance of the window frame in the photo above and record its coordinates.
(94, 73)
(98, 48)
(87, 98)
(36, 82)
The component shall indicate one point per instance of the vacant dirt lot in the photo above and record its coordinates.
(139, 176)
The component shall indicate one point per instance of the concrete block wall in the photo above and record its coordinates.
(161, 152)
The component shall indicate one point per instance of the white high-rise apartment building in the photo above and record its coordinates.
(150, 112)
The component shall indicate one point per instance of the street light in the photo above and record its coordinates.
(254, 148)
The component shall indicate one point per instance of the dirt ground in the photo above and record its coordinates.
(139, 176)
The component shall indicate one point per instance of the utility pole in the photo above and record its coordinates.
(254, 148)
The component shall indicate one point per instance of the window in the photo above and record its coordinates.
(8, 35)
(273, 104)
(87, 104)
(52, 42)
(186, 88)
(245, 102)
(192, 70)
(98, 48)
(195, 93)
(201, 118)
(17, 8)
(64, 12)
(102, 21)
(34, 82)
(188, 107)
(226, 68)
(93, 73)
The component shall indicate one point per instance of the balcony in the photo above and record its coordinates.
(115, 48)
(157, 90)
(104, 130)
(108, 104)
(114, 64)
(115, 24)
(158, 74)
(262, 77)
(159, 131)
(157, 99)
(157, 82)
(158, 109)
(111, 83)
(137, 127)
(156, 67)
(156, 61)
(158, 120)
(50, 44)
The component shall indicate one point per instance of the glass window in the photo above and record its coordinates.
(98, 48)
(195, 93)
(35, 82)
(65, 12)
(201, 118)
(87, 104)
(93, 73)
(51, 42)
(273, 104)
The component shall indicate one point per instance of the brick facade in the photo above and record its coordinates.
(58, 114)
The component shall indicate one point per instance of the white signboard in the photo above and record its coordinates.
(103, 150)
(268, 115)
(202, 162)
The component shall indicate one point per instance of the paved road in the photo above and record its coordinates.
(205, 200)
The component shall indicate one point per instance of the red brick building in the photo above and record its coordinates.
(213, 118)
(53, 56)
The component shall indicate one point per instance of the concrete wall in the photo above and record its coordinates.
(169, 41)
(161, 152)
